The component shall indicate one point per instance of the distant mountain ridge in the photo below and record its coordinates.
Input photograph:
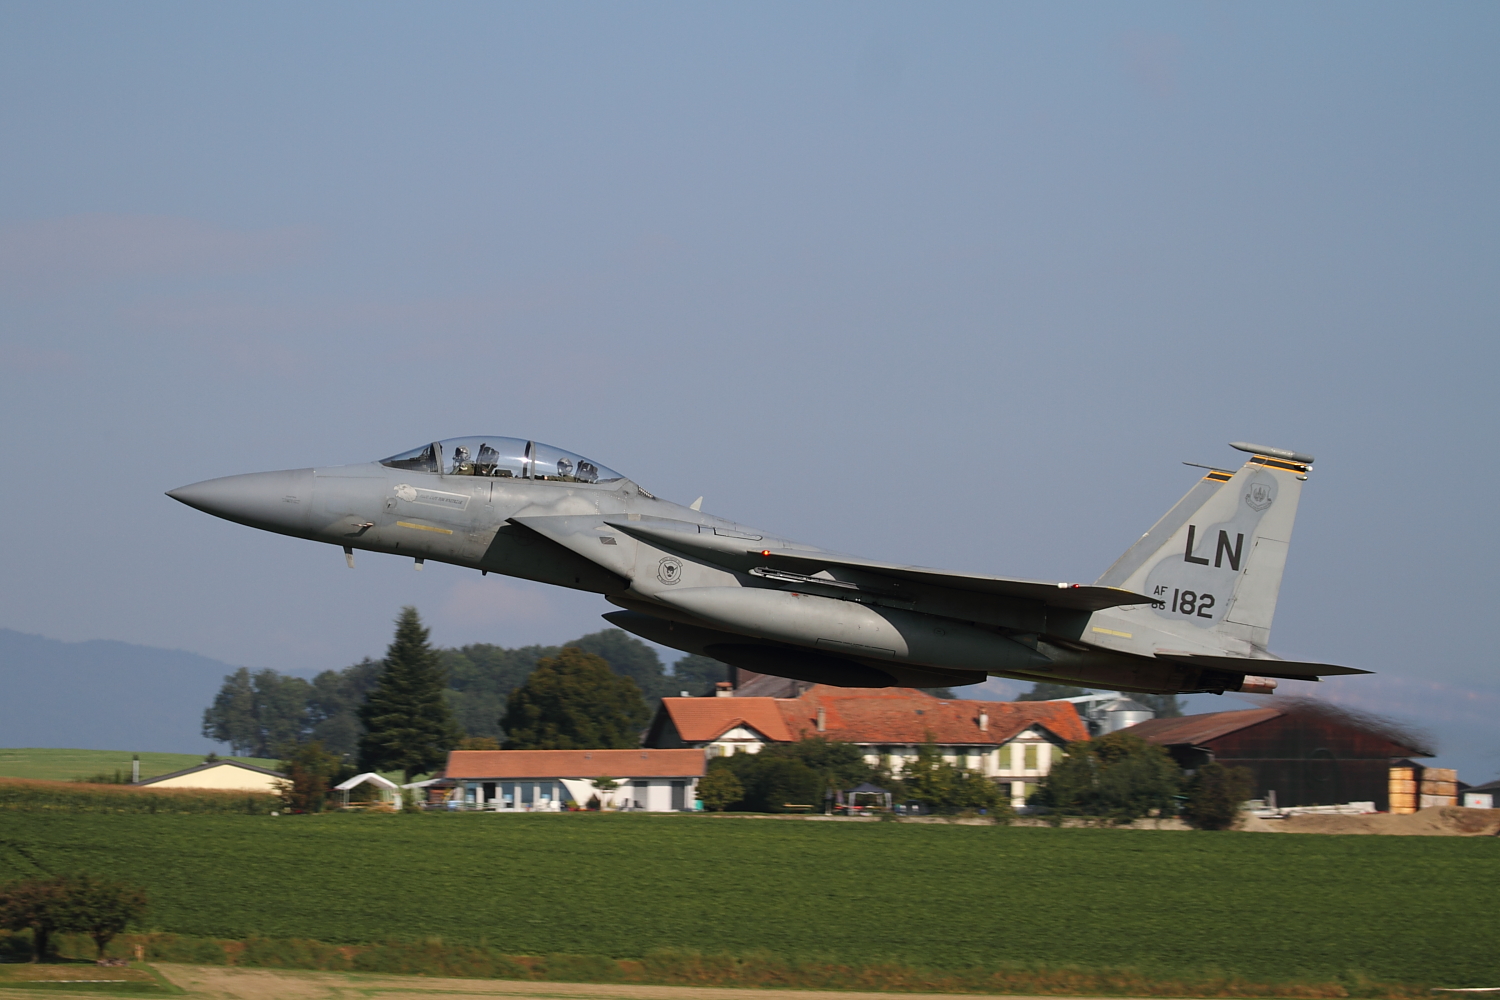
(104, 695)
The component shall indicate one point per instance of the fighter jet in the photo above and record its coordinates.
(1187, 608)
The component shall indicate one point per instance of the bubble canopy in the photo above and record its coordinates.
(504, 458)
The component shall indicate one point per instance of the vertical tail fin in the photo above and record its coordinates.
(1214, 561)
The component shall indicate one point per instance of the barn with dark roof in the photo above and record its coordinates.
(1305, 754)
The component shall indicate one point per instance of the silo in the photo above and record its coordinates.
(1123, 712)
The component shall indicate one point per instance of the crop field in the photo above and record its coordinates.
(65, 765)
(1273, 908)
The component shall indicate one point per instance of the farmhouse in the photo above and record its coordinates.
(545, 780)
(1012, 743)
(219, 775)
(1301, 755)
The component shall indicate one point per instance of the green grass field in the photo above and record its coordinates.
(1269, 907)
(65, 765)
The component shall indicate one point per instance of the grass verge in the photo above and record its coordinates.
(675, 968)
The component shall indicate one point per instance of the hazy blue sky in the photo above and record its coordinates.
(952, 284)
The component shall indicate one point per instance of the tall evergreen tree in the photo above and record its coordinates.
(572, 701)
(406, 719)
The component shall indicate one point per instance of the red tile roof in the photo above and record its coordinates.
(699, 720)
(1195, 729)
(872, 715)
(509, 765)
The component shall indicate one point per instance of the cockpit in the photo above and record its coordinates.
(504, 458)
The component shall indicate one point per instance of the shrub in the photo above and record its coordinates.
(771, 783)
(1215, 794)
(942, 787)
(719, 788)
(1119, 777)
(841, 765)
(311, 771)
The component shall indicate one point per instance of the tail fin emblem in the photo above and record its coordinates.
(1259, 496)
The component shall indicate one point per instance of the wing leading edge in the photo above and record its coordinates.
(731, 551)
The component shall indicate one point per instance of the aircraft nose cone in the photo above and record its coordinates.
(275, 501)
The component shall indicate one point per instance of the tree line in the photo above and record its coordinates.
(404, 719)
(259, 712)
(62, 904)
(1115, 779)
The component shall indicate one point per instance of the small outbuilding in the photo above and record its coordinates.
(219, 776)
(862, 797)
(388, 791)
(1481, 796)
(546, 780)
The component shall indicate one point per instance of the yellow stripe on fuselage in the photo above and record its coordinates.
(423, 527)
(1110, 631)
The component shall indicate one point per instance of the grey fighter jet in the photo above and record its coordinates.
(1187, 608)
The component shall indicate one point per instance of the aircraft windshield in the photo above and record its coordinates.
(506, 458)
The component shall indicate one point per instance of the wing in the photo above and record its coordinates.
(733, 549)
(1296, 670)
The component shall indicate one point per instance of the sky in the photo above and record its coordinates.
(958, 285)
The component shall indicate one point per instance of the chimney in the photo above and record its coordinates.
(984, 722)
(723, 689)
(822, 720)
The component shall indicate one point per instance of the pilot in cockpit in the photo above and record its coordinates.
(462, 465)
(488, 459)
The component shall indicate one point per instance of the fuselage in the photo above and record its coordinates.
(685, 578)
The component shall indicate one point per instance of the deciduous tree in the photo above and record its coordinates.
(1215, 794)
(407, 723)
(771, 782)
(946, 788)
(81, 903)
(719, 788)
(311, 771)
(572, 701)
(840, 765)
(257, 712)
(101, 908)
(697, 674)
(1119, 777)
(38, 905)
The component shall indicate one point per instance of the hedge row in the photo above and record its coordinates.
(678, 968)
(28, 795)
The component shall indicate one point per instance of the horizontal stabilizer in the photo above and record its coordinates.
(1287, 669)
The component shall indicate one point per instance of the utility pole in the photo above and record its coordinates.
(135, 769)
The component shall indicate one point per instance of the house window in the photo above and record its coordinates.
(1030, 757)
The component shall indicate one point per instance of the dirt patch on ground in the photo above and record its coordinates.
(1437, 821)
(71, 972)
